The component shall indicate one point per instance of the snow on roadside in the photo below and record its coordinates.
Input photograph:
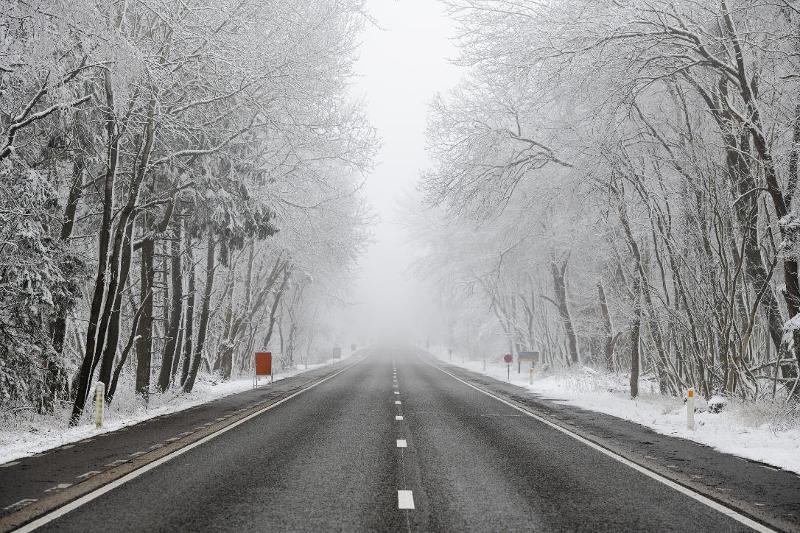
(764, 431)
(22, 436)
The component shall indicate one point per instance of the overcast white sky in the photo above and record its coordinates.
(402, 64)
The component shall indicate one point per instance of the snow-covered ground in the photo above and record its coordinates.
(23, 434)
(765, 431)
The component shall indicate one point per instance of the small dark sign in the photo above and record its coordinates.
(532, 357)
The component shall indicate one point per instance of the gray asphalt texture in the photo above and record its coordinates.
(30, 477)
(327, 461)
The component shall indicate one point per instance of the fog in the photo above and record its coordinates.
(404, 61)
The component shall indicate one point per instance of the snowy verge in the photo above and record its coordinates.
(23, 434)
(764, 431)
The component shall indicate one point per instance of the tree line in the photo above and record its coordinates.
(615, 182)
(179, 186)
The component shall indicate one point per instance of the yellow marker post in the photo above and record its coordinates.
(99, 403)
(690, 409)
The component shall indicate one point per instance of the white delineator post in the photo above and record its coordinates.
(99, 403)
(690, 409)
(530, 376)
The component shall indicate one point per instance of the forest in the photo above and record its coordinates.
(179, 186)
(615, 182)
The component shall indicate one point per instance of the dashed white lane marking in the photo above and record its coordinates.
(156, 446)
(60, 486)
(397, 402)
(136, 454)
(398, 417)
(401, 443)
(405, 499)
(12, 463)
(21, 503)
(117, 462)
(185, 433)
(172, 439)
(61, 511)
(88, 474)
(727, 511)
(397, 392)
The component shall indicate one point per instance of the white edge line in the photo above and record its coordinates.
(86, 498)
(727, 511)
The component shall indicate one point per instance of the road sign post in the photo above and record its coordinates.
(508, 358)
(99, 404)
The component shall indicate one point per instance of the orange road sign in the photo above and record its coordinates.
(263, 363)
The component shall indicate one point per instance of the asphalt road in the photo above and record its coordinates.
(329, 460)
(66, 471)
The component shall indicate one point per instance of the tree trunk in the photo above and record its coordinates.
(176, 358)
(188, 326)
(202, 327)
(114, 308)
(275, 302)
(608, 331)
(112, 388)
(635, 337)
(176, 307)
(144, 342)
(560, 288)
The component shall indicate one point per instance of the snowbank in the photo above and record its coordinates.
(23, 434)
(765, 431)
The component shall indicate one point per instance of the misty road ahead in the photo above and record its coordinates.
(393, 443)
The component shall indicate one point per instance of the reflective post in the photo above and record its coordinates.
(99, 403)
